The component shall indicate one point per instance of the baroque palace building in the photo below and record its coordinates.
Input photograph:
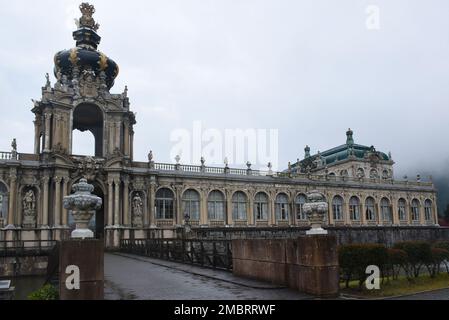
(356, 180)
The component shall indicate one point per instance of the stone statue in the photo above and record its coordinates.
(29, 209)
(137, 211)
(14, 148)
(47, 84)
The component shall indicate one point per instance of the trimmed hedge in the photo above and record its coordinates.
(409, 256)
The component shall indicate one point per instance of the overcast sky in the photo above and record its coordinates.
(310, 69)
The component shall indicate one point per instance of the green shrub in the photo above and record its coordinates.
(419, 254)
(47, 292)
(445, 246)
(354, 258)
(397, 260)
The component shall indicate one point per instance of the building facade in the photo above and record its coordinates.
(356, 180)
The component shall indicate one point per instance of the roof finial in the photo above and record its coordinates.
(349, 137)
(86, 19)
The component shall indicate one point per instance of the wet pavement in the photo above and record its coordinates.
(133, 277)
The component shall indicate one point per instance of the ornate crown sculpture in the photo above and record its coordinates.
(86, 19)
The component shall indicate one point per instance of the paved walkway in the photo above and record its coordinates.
(135, 277)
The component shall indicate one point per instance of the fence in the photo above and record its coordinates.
(214, 254)
(21, 248)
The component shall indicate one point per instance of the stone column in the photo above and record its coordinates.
(57, 134)
(37, 136)
(64, 193)
(117, 135)
(110, 203)
(126, 139)
(250, 211)
(329, 198)
(394, 209)
(272, 210)
(362, 212)
(408, 211)
(346, 217)
(57, 212)
(131, 144)
(179, 218)
(126, 211)
(111, 138)
(47, 132)
(151, 196)
(228, 207)
(378, 213)
(203, 207)
(422, 219)
(116, 202)
(12, 197)
(45, 181)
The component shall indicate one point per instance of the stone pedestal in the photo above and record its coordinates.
(88, 256)
(313, 265)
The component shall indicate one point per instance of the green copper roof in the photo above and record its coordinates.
(340, 153)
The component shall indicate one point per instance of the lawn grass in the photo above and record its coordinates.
(401, 286)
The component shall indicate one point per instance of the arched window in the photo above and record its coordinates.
(354, 208)
(337, 208)
(373, 174)
(402, 209)
(191, 205)
(428, 209)
(215, 206)
(261, 206)
(385, 174)
(385, 209)
(370, 211)
(300, 200)
(344, 173)
(239, 202)
(164, 204)
(3, 202)
(415, 210)
(282, 207)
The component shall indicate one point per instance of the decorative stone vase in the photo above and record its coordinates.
(83, 205)
(315, 208)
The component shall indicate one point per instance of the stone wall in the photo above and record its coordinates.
(308, 264)
(344, 235)
(23, 266)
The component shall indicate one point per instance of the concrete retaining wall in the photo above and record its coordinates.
(23, 266)
(344, 235)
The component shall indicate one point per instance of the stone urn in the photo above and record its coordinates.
(83, 205)
(315, 208)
